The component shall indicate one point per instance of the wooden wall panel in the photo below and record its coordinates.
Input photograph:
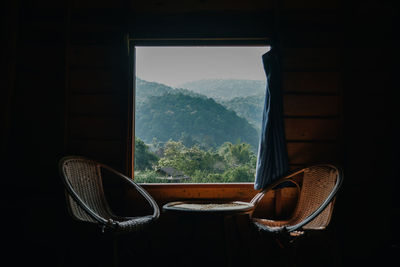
(95, 35)
(306, 36)
(94, 56)
(371, 82)
(311, 82)
(97, 102)
(99, 128)
(310, 4)
(311, 59)
(181, 6)
(47, 79)
(92, 80)
(310, 42)
(311, 105)
(42, 33)
(106, 151)
(97, 105)
(311, 129)
(49, 56)
(314, 152)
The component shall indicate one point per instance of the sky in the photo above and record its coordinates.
(176, 65)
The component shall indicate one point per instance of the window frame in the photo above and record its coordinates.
(242, 189)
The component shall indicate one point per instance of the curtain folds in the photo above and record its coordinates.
(272, 160)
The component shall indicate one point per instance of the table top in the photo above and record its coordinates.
(209, 207)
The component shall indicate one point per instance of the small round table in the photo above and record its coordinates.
(201, 211)
(207, 207)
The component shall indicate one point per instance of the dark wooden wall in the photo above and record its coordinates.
(66, 92)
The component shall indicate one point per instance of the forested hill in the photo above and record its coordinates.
(145, 89)
(226, 89)
(191, 119)
(249, 107)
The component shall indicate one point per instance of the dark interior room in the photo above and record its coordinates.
(68, 89)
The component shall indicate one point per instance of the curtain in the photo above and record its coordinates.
(272, 160)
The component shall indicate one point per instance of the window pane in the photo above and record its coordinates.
(198, 113)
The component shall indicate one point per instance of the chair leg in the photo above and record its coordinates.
(289, 252)
(115, 251)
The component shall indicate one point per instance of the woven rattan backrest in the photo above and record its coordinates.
(318, 183)
(84, 176)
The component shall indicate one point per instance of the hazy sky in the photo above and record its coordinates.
(175, 65)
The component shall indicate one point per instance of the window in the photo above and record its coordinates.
(198, 112)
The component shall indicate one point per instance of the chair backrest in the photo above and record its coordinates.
(315, 205)
(82, 179)
(316, 196)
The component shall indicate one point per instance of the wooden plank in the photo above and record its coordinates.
(361, 82)
(312, 129)
(311, 105)
(97, 104)
(109, 152)
(48, 80)
(96, 56)
(311, 59)
(315, 152)
(366, 57)
(82, 127)
(93, 81)
(309, 4)
(102, 4)
(95, 35)
(193, 5)
(311, 82)
(36, 56)
(43, 32)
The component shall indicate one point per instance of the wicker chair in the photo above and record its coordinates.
(86, 200)
(313, 211)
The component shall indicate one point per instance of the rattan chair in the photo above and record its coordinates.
(317, 191)
(86, 199)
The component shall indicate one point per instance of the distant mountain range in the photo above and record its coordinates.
(207, 117)
(225, 89)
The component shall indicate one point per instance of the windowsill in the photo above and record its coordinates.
(198, 185)
(164, 193)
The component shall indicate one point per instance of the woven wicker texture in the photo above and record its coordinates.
(83, 180)
(317, 185)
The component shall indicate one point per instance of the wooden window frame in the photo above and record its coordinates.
(173, 191)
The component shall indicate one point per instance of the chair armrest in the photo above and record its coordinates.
(147, 196)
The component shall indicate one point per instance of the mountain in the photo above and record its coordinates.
(144, 89)
(249, 107)
(226, 89)
(200, 120)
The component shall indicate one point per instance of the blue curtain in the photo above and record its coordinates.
(272, 162)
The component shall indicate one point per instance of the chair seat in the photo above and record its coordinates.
(270, 225)
(134, 224)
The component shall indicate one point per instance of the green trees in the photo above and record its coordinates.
(210, 132)
(229, 163)
(193, 120)
(144, 159)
